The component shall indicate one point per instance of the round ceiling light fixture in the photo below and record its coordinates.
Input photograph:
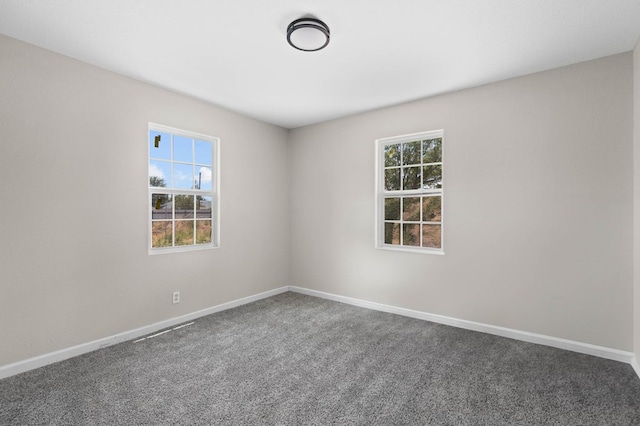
(308, 34)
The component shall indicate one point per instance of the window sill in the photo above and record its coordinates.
(411, 250)
(184, 249)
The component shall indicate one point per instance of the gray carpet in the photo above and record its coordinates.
(294, 359)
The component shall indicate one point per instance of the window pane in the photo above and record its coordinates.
(432, 209)
(184, 207)
(203, 152)
(181, 189)
(392, 179)
(203, 178)
(432, 150)
(161, 234)
(411, 205)
(392, 155)
(183, 176)
(203, 207)
(392, 209)
(392, 233)
(159, 148)
(203, 231)
(161, 206)
(159, 173)
(410, 234)
(432, 177)
(411, 153)
(432, 236)
(411, 178)
(182, 149)
(184, 232)
(411, 208)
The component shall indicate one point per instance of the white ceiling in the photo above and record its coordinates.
(234, 53)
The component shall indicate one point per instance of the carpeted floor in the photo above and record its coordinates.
(299, 360)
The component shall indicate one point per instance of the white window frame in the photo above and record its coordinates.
(214, 193)
(381, 193)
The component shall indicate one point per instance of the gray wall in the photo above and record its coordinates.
(73, 180)
(636, 152)
(538, 206)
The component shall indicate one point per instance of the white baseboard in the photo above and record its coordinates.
(636, 367)
(60, 355)
(583, 348)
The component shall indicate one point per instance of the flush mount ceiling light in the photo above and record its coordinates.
(308, 34)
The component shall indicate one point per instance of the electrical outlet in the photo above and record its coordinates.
(176, 297)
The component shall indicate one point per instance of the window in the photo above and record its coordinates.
(183, 190)
(409, 192)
